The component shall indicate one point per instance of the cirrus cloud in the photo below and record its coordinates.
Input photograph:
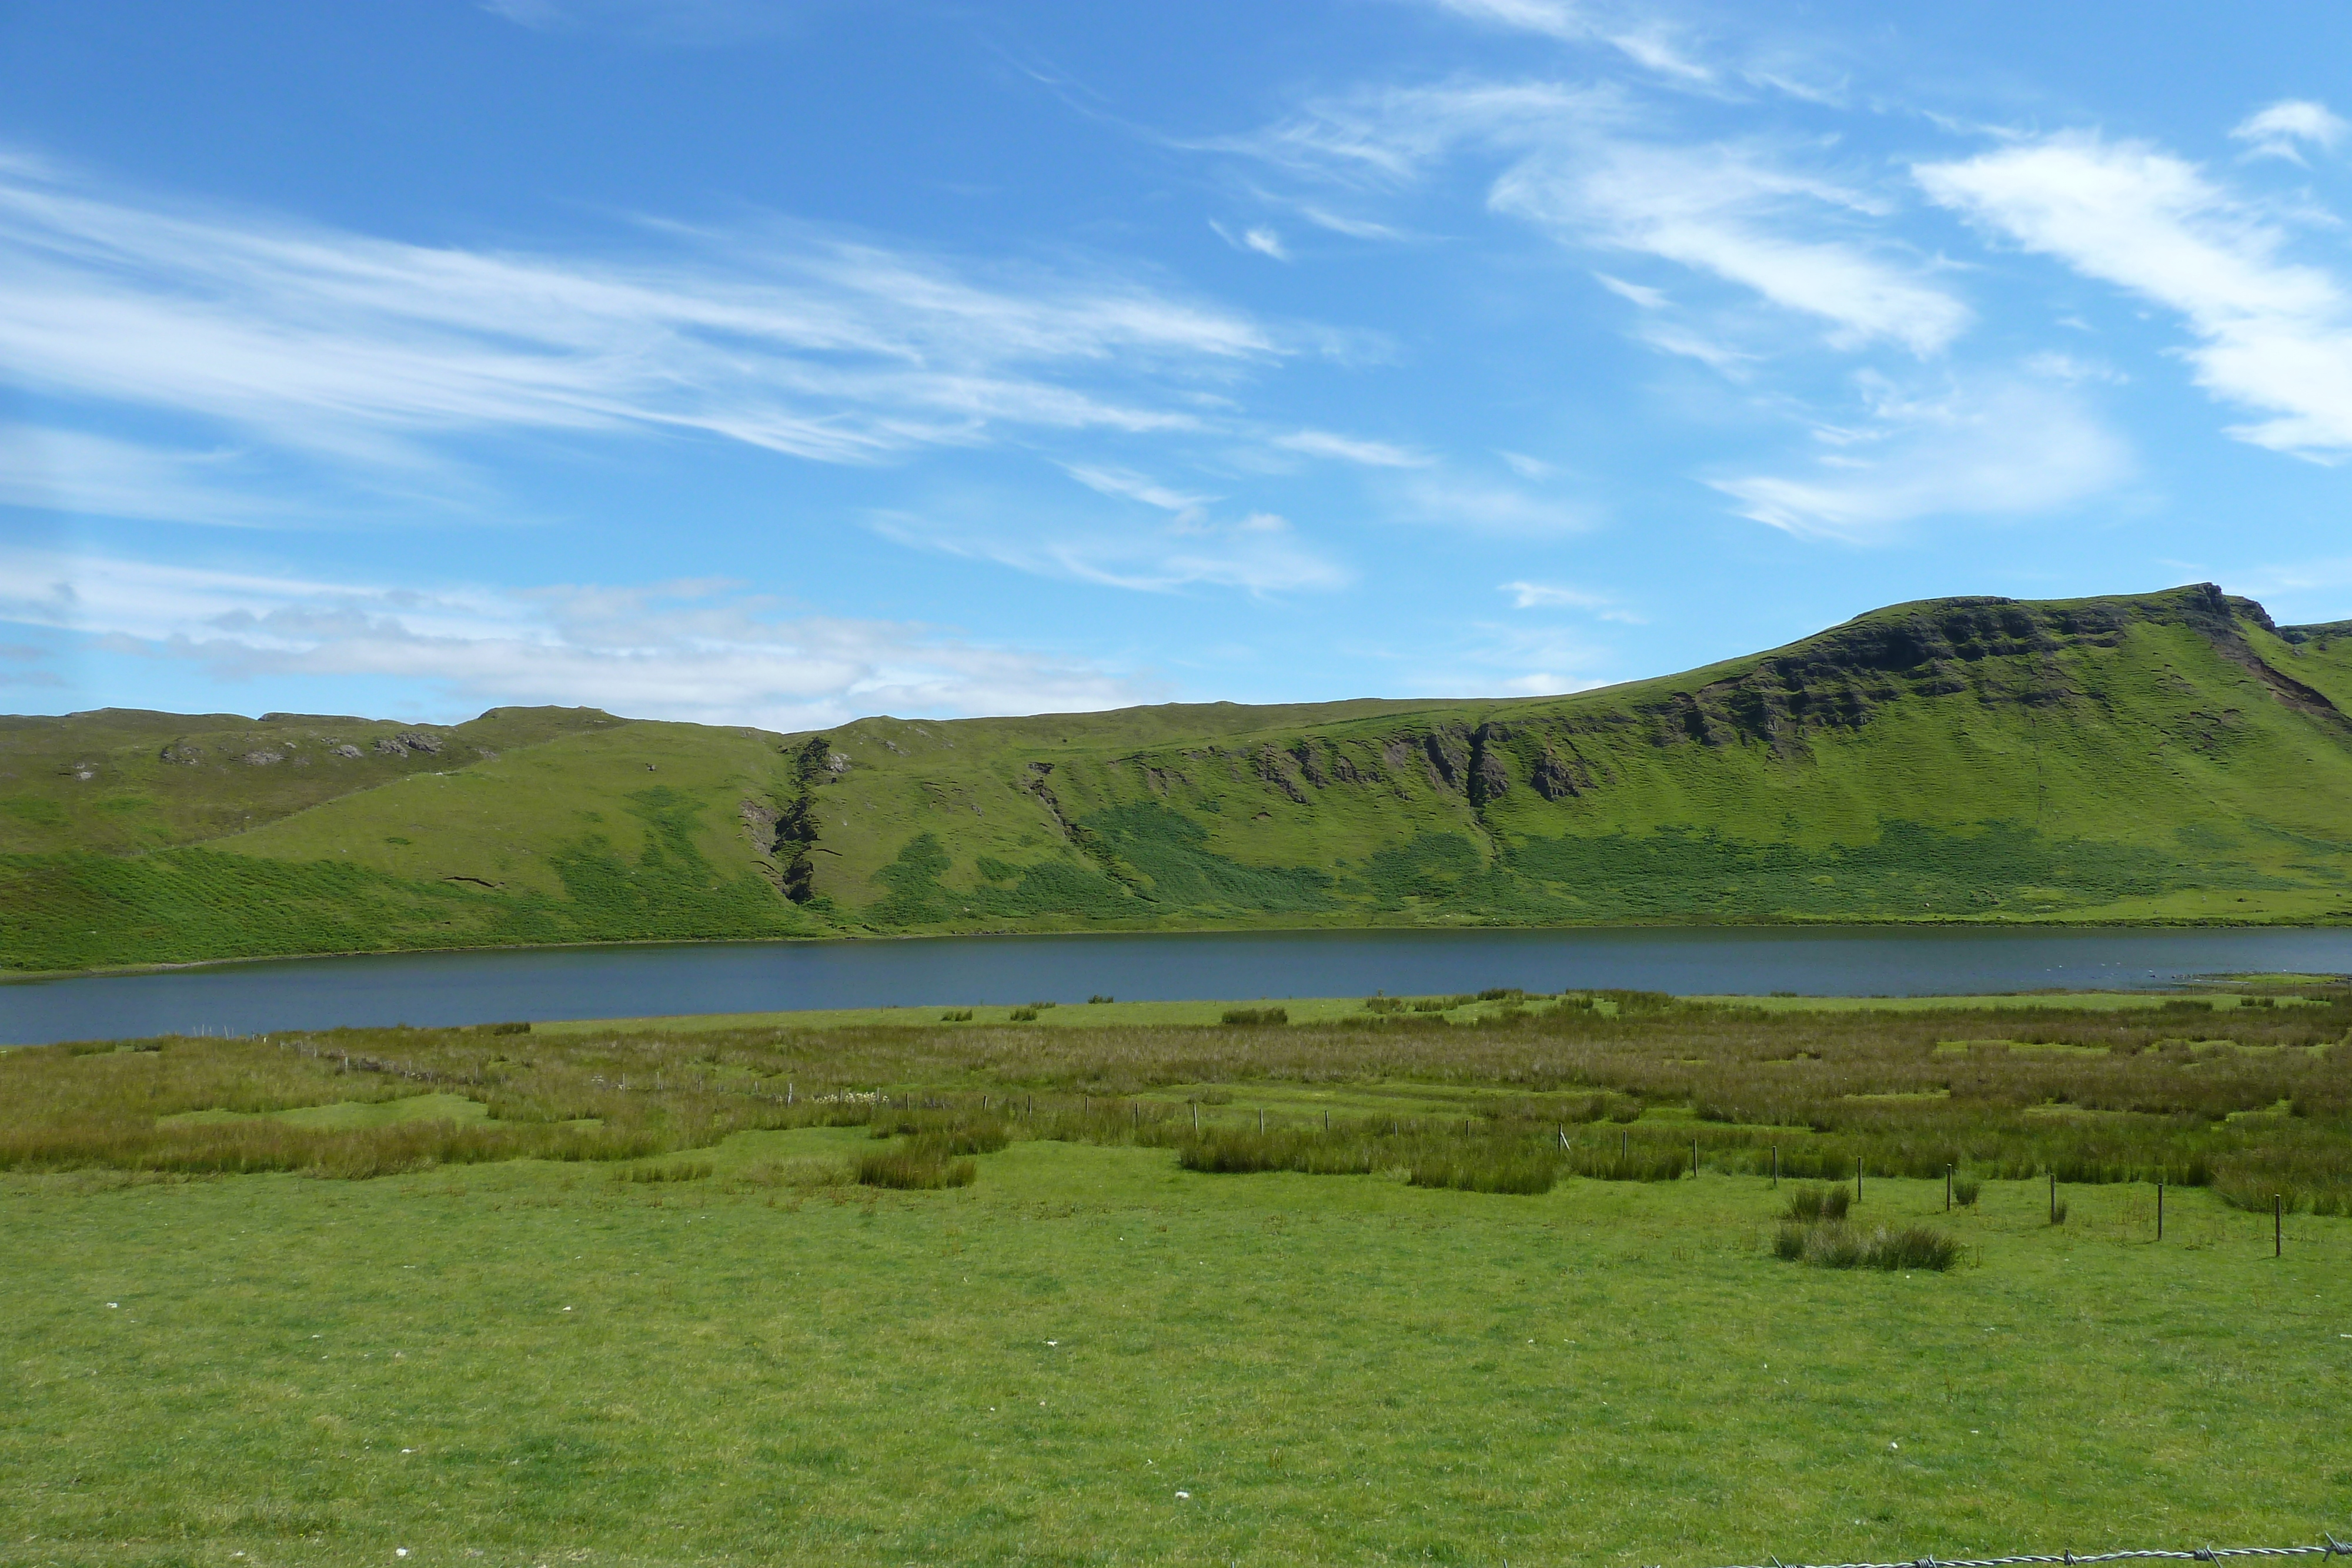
(801, 340)
(2273, 334)
(704, 653)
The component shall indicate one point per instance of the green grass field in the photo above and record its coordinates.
(525, 1364)
(619, 1294)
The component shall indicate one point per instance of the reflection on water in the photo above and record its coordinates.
(440, 989)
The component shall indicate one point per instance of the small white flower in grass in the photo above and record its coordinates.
(1053, 1341)
(1184, 1497)
(400, 1551)
(1893, 1445)
(114, 1303)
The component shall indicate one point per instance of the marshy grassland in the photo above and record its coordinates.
(1383, 1283)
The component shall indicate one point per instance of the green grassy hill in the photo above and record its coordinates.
(2168, 755)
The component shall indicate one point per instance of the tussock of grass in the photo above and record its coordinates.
(1647, 1161)
(1835, 1245)
(917, 1163)
(1812, 1205)
(676, 1170)
(956, 1132)
(1489, 1169)
(1256, 1016)
(1352, 1151)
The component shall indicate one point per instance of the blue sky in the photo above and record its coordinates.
(778, 362)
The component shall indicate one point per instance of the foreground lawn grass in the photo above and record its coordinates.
(529, 1363)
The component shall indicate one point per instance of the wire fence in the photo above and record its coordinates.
(2329, 1547)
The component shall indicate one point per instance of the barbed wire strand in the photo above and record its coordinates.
(2330, 1547)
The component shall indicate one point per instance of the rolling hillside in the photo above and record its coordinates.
(2168, 755)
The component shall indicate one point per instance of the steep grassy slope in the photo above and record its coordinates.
(120, 781)
(524, 827)
(2168, 756)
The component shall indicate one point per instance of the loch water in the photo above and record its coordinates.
(666, 978)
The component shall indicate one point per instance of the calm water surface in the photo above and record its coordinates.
(442, 988)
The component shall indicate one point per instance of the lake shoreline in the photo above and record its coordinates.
(1794, 923)
(586, 981)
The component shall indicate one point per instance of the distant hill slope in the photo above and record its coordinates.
(2168, 756)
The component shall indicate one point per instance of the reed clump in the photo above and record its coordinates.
(957, 1132)
(1492, 1168)
(917, 1163)
(1833, 1244)
(1814, 1205)
(676, 1170)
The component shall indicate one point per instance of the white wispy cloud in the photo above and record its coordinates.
(1648, 299)
(1381, 139)
(2273, 335)
(2287, 128)
(22, 665)
(1343, 223)
(49, 468)
(699, 651)
(1260, 553)
(1254, 237)
(684, 23)
(1750, 215)
(1527, 468)
(1350, 449)
(1133, 487)
(798, 340)
(2011, 447)
(1556, 596)
(1479, 506)
(1495, 657)
(1581, 164)
(1647, 41)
